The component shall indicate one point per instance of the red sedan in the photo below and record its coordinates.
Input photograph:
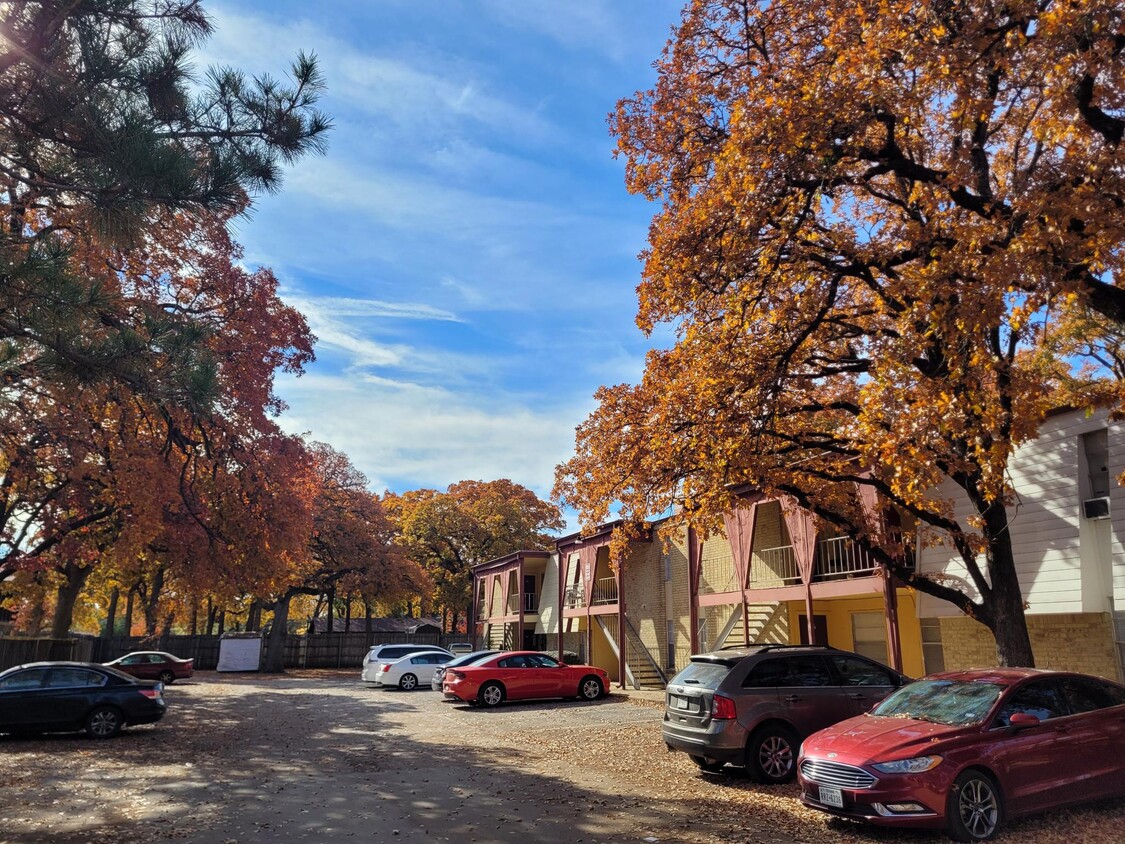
(522, 675)
(965, 750)
(155, 665)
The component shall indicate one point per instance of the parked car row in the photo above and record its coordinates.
(487, 678)
(960, 750)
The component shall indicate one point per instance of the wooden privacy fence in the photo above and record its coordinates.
(322, 650)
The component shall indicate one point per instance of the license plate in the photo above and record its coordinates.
(832, 797)
(682, 703)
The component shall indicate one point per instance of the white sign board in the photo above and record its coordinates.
(240, 654)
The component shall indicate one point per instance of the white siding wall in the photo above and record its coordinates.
(548, 621)
(1047, 538)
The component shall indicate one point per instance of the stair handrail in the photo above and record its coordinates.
(644, 649)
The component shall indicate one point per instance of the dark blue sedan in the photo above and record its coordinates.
(44, 697)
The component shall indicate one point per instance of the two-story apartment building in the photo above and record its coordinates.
(771, 577)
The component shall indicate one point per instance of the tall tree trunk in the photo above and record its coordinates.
(129, 599)
(347, 613)
(166, 629)
(222, 621)
(111, 613)
(1006, 619)
(331, 606)
(275, 645)
(367, 618)
(75, 577)
(194, 617)
(254, 621)
(152, 601)
(212, 610)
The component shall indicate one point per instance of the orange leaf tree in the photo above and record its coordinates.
(867, 212)
(471, 522)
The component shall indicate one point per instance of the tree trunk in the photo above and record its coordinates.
(211, 612)
(111, 613)
(254, 621)
(68, 592)
(194, 617)
(347, 613)
(275, 645)
(129, 611)
(166, 629)
(152, 601)
(1005, 607)
(367, 618)
(222, 621)
(331, 607)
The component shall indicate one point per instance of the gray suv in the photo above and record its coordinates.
(752, 706)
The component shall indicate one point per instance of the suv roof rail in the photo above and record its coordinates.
(773, 646)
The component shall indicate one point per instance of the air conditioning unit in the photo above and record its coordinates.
(1096, 508)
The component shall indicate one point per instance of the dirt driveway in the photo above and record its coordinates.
(318, 756)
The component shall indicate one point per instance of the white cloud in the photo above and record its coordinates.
(339, 306)
(432, 436)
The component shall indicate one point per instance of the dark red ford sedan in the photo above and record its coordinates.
(522, 675)
(155, 665)
(965, 750)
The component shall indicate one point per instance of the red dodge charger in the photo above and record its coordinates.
(523, 675)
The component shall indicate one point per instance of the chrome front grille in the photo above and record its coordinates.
(835, 774)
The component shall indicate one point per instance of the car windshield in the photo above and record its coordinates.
(956, 703)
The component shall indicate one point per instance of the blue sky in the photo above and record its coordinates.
(466, 251)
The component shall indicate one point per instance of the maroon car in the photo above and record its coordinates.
(965, 750)
(155, 665)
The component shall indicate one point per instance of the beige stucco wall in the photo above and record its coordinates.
(1068, 641)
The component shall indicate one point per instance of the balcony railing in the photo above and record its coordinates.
(774, 567)
(575, 596)
(840, 557)
(605, 590)
(531, 602)
(836, 558)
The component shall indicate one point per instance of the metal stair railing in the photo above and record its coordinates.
(635, 640)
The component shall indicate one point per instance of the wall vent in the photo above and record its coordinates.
(1096, 508)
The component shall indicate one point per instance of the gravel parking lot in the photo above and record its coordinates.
(319, 756)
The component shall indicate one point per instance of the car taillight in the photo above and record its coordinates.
(722, 709)
(453, 674)
(151, 694)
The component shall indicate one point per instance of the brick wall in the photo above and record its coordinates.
(644, 596)
(1072, 642)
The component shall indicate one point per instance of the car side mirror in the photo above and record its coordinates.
(1023, 720)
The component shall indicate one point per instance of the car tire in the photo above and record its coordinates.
(590, 688)
(708, 766)
(408, 682)
(976, 808)
(771, 754)
(490, 695)
(103, 722)
(167, 678)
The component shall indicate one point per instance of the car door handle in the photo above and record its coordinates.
(792, 698)
(856, 696)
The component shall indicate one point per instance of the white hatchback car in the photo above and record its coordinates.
(387, 653)
(411, 671)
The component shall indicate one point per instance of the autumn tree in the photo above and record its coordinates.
(98, 472)
(102, 130)
(471, 522)
(349, 541)
(868, 212)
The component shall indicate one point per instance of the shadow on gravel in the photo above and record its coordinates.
(252, 759)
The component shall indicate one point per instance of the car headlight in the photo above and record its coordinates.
(908, 766)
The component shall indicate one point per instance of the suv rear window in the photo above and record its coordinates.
(706, 675)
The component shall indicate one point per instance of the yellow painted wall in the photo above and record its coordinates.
(838, 612)
(602, 654)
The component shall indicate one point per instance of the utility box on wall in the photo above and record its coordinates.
(240, 652)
